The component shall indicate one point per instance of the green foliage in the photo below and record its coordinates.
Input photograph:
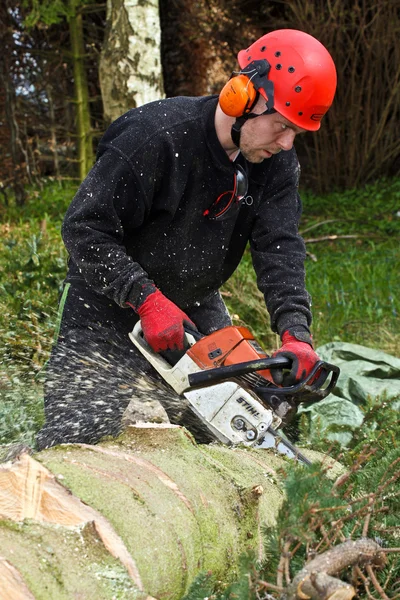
(205, 587)
(50, 12)
(202, 587)
(21, 412)
(371, 209)
(379, 429)
(353, 282)
(32, 267)
(350, 281)
(33, 264)
(320, 512)
(48, 201)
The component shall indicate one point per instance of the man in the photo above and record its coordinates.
(179, 188)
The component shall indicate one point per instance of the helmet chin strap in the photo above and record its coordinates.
(257, 71)
(235, 130)
(240, 121)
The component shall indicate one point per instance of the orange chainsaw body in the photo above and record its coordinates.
(228, 346)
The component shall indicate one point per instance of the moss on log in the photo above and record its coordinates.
(49, 562)
(136, 517)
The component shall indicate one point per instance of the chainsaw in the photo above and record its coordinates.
(227, 382)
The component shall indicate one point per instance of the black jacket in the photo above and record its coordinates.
(138, 215)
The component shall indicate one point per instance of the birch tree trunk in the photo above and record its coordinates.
(130, 62)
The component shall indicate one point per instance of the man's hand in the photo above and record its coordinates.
(297, 346)
(163, 323)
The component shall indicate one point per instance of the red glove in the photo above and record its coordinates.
(301, 354)
(163, 323)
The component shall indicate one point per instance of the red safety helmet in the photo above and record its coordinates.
(302, 71)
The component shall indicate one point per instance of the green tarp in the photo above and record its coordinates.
(364, 372)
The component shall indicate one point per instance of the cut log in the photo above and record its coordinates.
(11, 583)
(137, 517)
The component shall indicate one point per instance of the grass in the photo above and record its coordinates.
(355, 287)
(357, 300)
(32, 266)
(353, 282)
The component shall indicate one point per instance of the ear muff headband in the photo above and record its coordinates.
(239, 95)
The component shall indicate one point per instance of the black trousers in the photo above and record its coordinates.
(94, 370)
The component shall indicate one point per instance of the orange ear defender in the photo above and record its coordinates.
(238, 96)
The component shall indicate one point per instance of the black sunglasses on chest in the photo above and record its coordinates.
(229, 201)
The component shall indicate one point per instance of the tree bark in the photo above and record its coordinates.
(138, 517)
(147, 513)
(13, 156)
(130, 64)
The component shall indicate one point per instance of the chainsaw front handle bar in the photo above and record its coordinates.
(319, 373)
(310, 388)
(250, 366)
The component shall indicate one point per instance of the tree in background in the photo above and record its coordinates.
(130, 64)
(47, 12)
(15, 167)
(358, 142)
(200, 41)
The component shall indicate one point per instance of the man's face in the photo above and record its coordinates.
(266, 135)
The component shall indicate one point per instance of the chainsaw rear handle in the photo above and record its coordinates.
(306, 385)
(191, 337)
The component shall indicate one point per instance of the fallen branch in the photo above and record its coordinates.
(325, 238)
(319, 224)
(316, 580)
(376, 583)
